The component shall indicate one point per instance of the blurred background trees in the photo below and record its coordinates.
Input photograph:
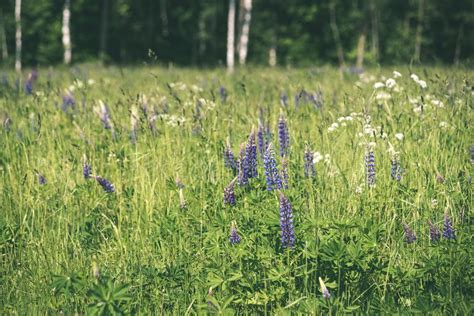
(190, 32)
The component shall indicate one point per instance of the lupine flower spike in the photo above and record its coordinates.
(104, 115)
(261, 141)
(41, 179)
(286, 223)
(243, 167)
(396, 169)
(448, 230)
(435, 234)
(105, 184)
(283, 135)
(234, 235)
(370, 166)
(86, 168)
(229, 195)
(309, 168)
(410, 236)
(251, 155)
(324, 289)
(223, 94)
(271, 171)
(229, 159)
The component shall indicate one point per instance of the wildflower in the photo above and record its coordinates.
(317, 157)
(179, 183)
(439, 178)
(333, 127)
(284, 172)
(229, 195)
(396, 169)
(234, 235)
(370, 167)
(68, 101)
(210, 293)
(390, 83)
(379, 85)
(396, 74)
(286, 223)
(271, 171)
(105, 184)
(435, 234)
(324, 289)
(399, 136)
(261, 141)
(243, 167)
(229, 159)
(414, 77)
(223, 94)
(443, 125)
(448, 231)
(41, 179)
(104, 115)
(309, 169)
(86, 170)
(95, 268)
(251, 155)
(422, 84)
(410, 236)
(472, 154)
(383, 96)
(284, 99)
(283, 135)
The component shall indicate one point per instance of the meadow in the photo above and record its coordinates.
(147, 190)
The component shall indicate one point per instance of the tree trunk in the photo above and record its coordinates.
(3, 37)
(103, 30)
(335, 33)
(244, 34)
(419, 31)
(272, 56)
(66, 32)
(374, 30)
(361, 49)
(164, 18)
(230, 36)
(18, 35)
(457, 49)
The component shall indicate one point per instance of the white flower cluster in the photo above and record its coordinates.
(172, 120)
(317, 157)
(420, 82)
(342, 121)
(178, 85)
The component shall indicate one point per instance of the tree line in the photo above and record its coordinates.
(217, 32)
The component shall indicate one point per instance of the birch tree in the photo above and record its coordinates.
(419, 31)
(18, 35)
(230, 36)
(246, 7)
(66, 32)
(3, 37)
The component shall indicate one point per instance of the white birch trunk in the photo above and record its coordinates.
(272, 56)
(244, 34)
(360, 50)
(18, 35)
(230, 36)
(66, 33)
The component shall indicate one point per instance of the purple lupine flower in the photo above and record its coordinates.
(41, 179)
(105, 184)
(440, 178)
(410, 236)
(396, 169)
(324, 289)
(29, 86)
(229, 159)
(104, 115)
(316, 99)
(179, 183)
(271, 171)
(286, 223)
(261, 139)
(284, 99)
(223, 94)
(234, 235)
(283, 136)
(243, 167)
(370, 167)
(309, 168)
(472, 154)
(68, 101)
(284, 172)
(435, 234)
(86, 170)
(251, 155)
(229, 194)
(448, 230)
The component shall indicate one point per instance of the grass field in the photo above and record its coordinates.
(160, 242)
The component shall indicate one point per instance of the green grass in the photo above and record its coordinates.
(155, 257)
